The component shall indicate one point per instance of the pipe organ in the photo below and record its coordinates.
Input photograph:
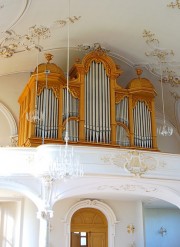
(94, 108)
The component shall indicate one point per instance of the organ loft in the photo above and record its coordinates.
(100, 112)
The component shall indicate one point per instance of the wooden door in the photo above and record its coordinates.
(97, 239)
(93, 223)
(75, 239)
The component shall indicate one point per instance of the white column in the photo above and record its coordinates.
(44, 227)
(139, 231)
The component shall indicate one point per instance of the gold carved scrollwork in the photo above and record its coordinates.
(119, 97)
(68, 120)
(97, 59)
(101, 57)
(53, 86)
(75, 91)
(125, 128)
(142, 99)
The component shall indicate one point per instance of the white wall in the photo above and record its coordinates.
(5, 132)
(10, 223)
(30, 225)
(11, 88)
(169, 144)
(154, 219)
(128, 213)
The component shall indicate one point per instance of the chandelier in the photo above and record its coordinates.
(163, 130)
(36, 116)
(55, 162)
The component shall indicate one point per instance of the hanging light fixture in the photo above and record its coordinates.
(56, 162)
(163, 130)
(36, 116)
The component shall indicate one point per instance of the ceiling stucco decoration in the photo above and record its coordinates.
(95, 47)
(174, 4)
(177, 107)
(1, 5)
(14, 43)
(137, 163)
(14, 10)
(175, 95)
(128, 188)
(161, 57)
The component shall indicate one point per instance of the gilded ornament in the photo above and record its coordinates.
(134, 162)
(13, 43)
(174, 4)
(75, 91)
(71, 20)
(39, 32)
(162, 55)
(119, 97)
(53, 86)
(48, 57)
(130, 228)
(96, 47)
(150, 37)
(170, 77)
(142, 99)
(175, 95)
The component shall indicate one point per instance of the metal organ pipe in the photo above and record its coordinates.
(47, 106)
(122, 117)
(142, 125)
(97, 104)
(73, 112)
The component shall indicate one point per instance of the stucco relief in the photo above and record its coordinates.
(14, 10)
(128, 187)
(12, 123)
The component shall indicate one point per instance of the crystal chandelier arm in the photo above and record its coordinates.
(164, 130)
(162, 92)
(67, 90)
(37, 74)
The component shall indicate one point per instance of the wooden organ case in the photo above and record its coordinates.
(100, 112)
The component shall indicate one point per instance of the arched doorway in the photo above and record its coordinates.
(89, 228)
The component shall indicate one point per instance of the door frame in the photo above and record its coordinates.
(104, 208)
